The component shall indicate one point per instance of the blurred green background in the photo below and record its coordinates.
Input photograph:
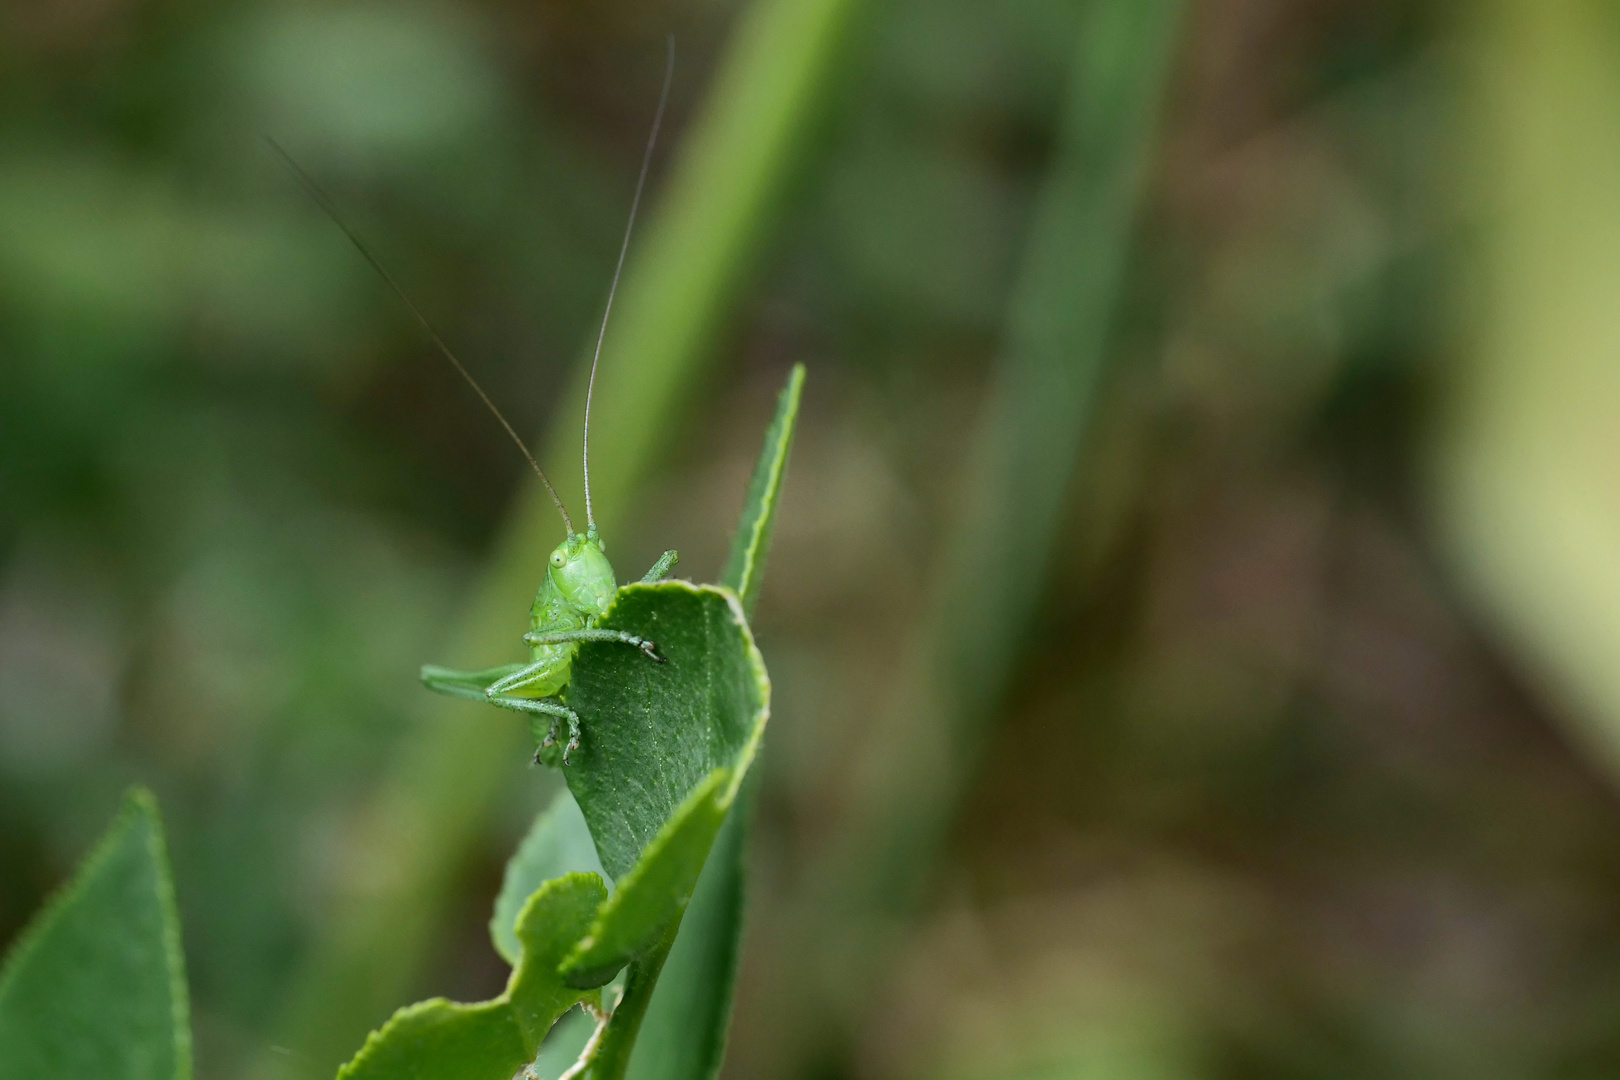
(1195, 608)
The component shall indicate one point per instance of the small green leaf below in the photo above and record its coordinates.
(96, 984)
(559, 842)
(492, 1040)
(664, 749)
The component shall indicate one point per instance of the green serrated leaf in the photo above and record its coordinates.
(559, 842)
(664, 749)
(96, 985)
(654, 732)
(445, 1040)
(442, 1040)
(745, 564)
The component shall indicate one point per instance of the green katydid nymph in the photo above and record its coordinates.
(579, 584)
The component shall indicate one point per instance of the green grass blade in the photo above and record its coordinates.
(745, 564)
(684, 278)
(683, 1035)
(1021, 457)
(96, 984)
(1025, 447)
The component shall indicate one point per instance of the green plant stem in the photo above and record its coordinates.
(611, 1057)
(713, 221)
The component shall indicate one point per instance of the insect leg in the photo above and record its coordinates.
(666, 562)
(507, 692)
(465, 684)
(560, 637)
(549, 707)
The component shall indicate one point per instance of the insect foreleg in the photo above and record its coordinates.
(666, 562)
(563, 637)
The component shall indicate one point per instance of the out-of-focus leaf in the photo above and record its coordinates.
(559, 842)
(368, 79)
(665, 747)
(96, 986)
(684, 1033)
(905, 784)
(1524, 470)
(446, 1040)
(1038, 410)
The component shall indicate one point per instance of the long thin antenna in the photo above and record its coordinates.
(635, 204)
(325, 203)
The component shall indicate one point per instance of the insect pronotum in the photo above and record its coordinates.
(579, 583)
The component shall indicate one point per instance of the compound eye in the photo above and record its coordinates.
(558, 559)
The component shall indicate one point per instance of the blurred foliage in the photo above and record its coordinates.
(1527, 490)
(1279, 785)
